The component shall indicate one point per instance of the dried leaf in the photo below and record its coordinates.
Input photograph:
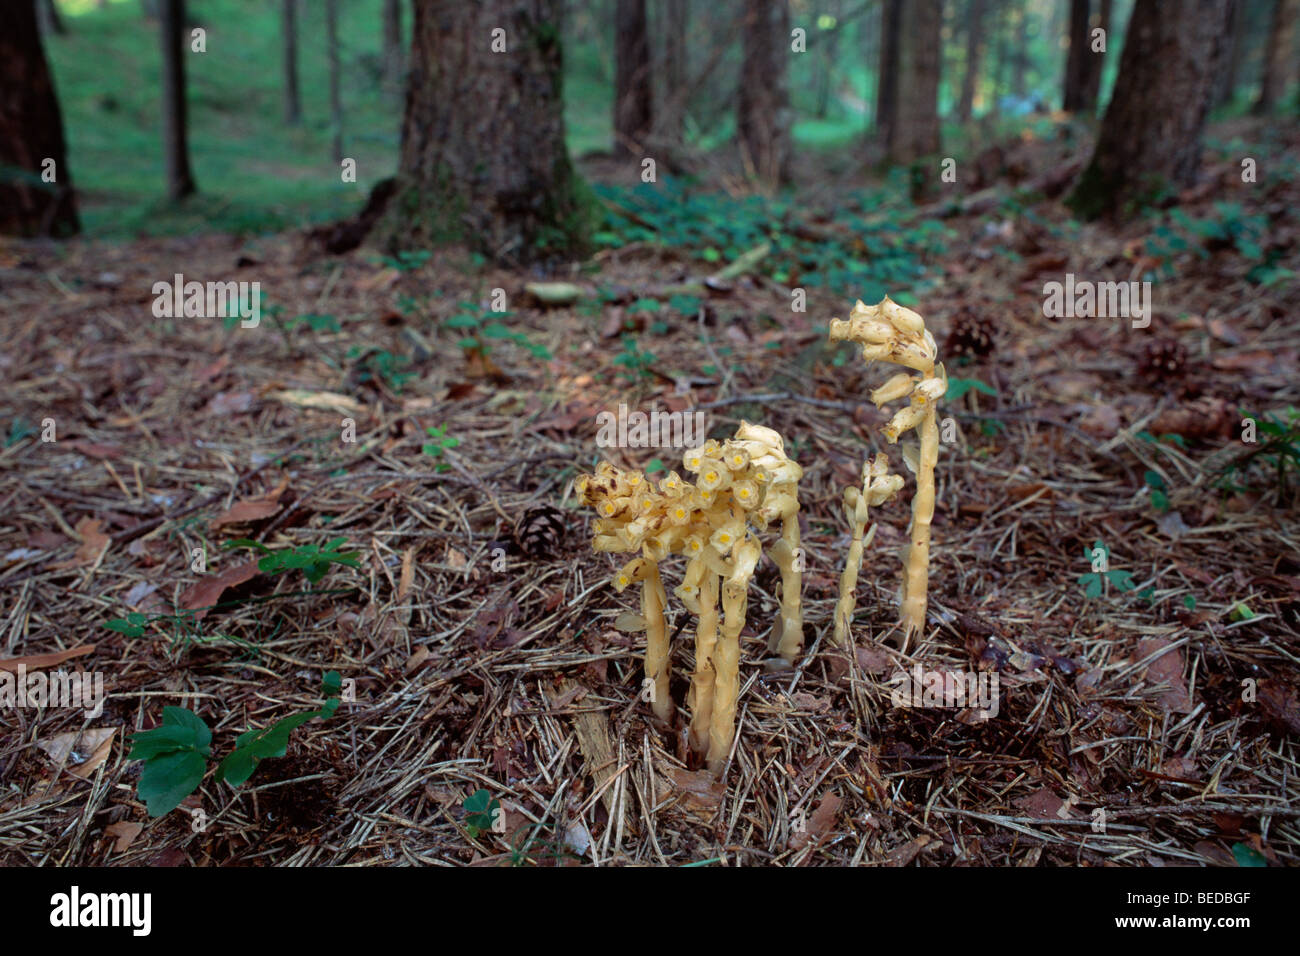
(79, 752)
(1042, 804)
(252, 509)
(35, 661)
(325, 401)
(204, 594)
(1281, 703)
(1167, 668)
(124, 832)
(93, 543)
(819, 824)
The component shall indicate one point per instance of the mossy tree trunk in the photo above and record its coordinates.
(483, 156)
(31, 132)
(763, 102)
(1150, 138)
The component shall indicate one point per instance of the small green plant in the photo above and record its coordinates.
(1159, 493)
(315, 322)
(1102, 576)
(186, 627)
(1278, 449)
(176, 752)
(407, 260)
(314, 560)
(380, 365)
(479, 326)
(481, 812)
(1240, 612)
(441, 442)
(18, 430)
(634, 361)
(957, 387)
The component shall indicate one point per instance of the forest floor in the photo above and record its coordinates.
(1171, 701)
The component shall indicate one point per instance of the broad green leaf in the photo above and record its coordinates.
(169, 778)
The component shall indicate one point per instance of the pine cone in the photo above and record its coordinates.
(1162, 360)
(971, 334)
(540, 532)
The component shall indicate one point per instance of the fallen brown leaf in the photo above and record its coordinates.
(93, 543)
(34, 661)
(124, 832)
(1166, 669)
(252, 509)
(203, 595)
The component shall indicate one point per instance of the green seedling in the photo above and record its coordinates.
(1102, 576)
(176, 752)
(957, 387)
(313, 560)
(481, 813)
(440, 444)
(1159, 493)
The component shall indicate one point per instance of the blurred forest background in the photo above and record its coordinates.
(264, 126)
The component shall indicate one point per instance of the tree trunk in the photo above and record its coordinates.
(1277, 57)
(1096, 61)
(763, 107)
(336, 99)
(176, 150)
(891, 19)
(827, 50)
(483, 155)
(1075, 99)
(915, 129)
(289, 27)
(31, 132)
(671, 117)
(47, 15)
(1231, 75)
(633, 97)
(393, 64)
(1150, 138)
(974, 50)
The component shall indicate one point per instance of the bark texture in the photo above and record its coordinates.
(914, 131)
(1278, 62)
(483, 155)
(31, 131)
(633, 87)
(1150, 138)
(763, 106)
